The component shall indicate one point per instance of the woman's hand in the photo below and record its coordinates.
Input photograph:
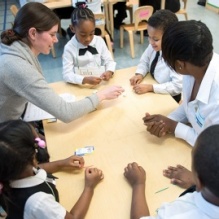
(110, 93)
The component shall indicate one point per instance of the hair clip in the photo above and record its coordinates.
(41, 143)
(81, 4)
(10, 32)
(1, 187)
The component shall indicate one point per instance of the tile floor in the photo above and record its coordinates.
(52, 67)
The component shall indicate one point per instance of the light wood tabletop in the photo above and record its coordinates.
(57, 3)
(119, 137)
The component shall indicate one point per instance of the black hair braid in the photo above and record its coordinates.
(81, 14)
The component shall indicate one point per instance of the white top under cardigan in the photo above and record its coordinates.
(169, 81)
(72, 59)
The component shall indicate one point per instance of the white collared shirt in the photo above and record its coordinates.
(72, 59)
(204, 110)
(188, 206)
(39, 205)
(169, 81)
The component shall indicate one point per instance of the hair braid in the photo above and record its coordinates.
(81, 14)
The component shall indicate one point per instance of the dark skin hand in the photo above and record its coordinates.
(159, 125)
(143, 88)
(91, 80)
(136, 177)
(106, 75)
(136, 79)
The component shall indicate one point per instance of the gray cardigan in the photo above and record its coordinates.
(21, 81)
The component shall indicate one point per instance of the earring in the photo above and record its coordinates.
(180, 68)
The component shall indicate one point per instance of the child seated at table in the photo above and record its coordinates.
(43, 157)
(191, 46)
(203, 203)
(86, 58)
(169, 82)
(27, 191)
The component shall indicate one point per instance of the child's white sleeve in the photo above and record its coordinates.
(43, 205)
(68, 63)
(172, 87)
(144, 63)
(106, 57)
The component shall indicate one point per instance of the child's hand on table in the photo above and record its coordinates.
(92, 177)
(137, 79)
(143, 88)
(135, 174)
(91, 80)
(76, 162)
(106, 75)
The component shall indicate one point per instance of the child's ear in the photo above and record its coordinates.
(179, 65)
(72, 28)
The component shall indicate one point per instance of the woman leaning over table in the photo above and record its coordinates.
(21, 80)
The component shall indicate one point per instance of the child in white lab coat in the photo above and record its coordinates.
(86, 58)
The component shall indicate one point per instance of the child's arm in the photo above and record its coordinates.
(136, 176)
(107, 61)
(73, 162)
(69, 59)
(92, 177)
(173, 86)
(142, 67)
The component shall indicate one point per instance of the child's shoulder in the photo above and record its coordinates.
(97, 42)
(149, 51)
(72, 42)
(97, 39)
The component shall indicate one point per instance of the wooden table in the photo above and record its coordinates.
(117, 132)
(58, 3)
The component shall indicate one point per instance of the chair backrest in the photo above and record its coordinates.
(14, 10)
(100, 23)
(142, 14)
(184, 4)
(132, 2)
